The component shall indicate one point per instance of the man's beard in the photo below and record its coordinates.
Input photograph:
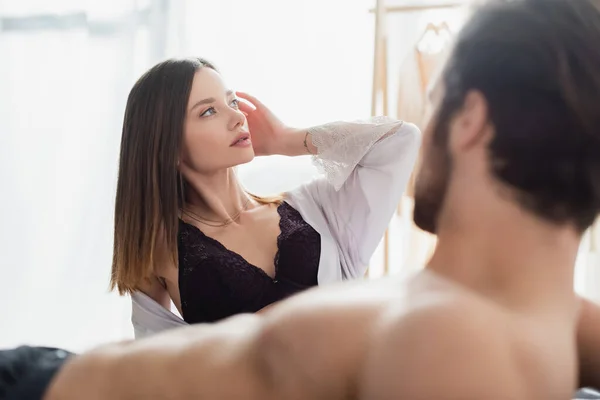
(431, 185)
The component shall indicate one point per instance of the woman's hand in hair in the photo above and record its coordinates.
(267, 131)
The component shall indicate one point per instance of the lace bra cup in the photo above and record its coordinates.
(216, 283)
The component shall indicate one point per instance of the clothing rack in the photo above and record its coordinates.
(380, 73)
(380, 54)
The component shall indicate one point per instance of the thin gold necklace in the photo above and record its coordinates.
(217, 224)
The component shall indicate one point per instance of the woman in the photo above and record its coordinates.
(187, 232)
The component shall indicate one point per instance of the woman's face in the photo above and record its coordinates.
(215, 135)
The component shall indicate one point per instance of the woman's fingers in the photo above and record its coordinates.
(251, 99)
(246, 107)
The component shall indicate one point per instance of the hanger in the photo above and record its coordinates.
(435, 32)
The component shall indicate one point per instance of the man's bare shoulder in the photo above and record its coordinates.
(314, 344)
(442, 347)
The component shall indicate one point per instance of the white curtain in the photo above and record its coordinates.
(65, 70)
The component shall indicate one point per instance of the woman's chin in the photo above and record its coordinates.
(247, 156)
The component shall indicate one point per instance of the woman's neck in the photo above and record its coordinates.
(217, 197)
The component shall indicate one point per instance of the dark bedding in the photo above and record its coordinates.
(25, 372)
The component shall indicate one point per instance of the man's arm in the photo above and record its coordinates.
(213, 362)
(588, 343)
(310, 346)
(441, 353)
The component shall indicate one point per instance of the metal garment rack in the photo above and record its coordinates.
(380, 72)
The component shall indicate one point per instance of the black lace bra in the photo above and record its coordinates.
(216, 283)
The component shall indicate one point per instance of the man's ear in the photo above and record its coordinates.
(469, 127)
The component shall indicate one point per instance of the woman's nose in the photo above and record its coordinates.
(237, 120)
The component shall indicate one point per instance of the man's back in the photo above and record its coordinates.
(422, 339)
(370, 340)
(453, 343)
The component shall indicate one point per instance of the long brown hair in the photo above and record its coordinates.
(150, 190)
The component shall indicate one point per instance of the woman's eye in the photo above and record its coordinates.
(235, 103)
(208, 112)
